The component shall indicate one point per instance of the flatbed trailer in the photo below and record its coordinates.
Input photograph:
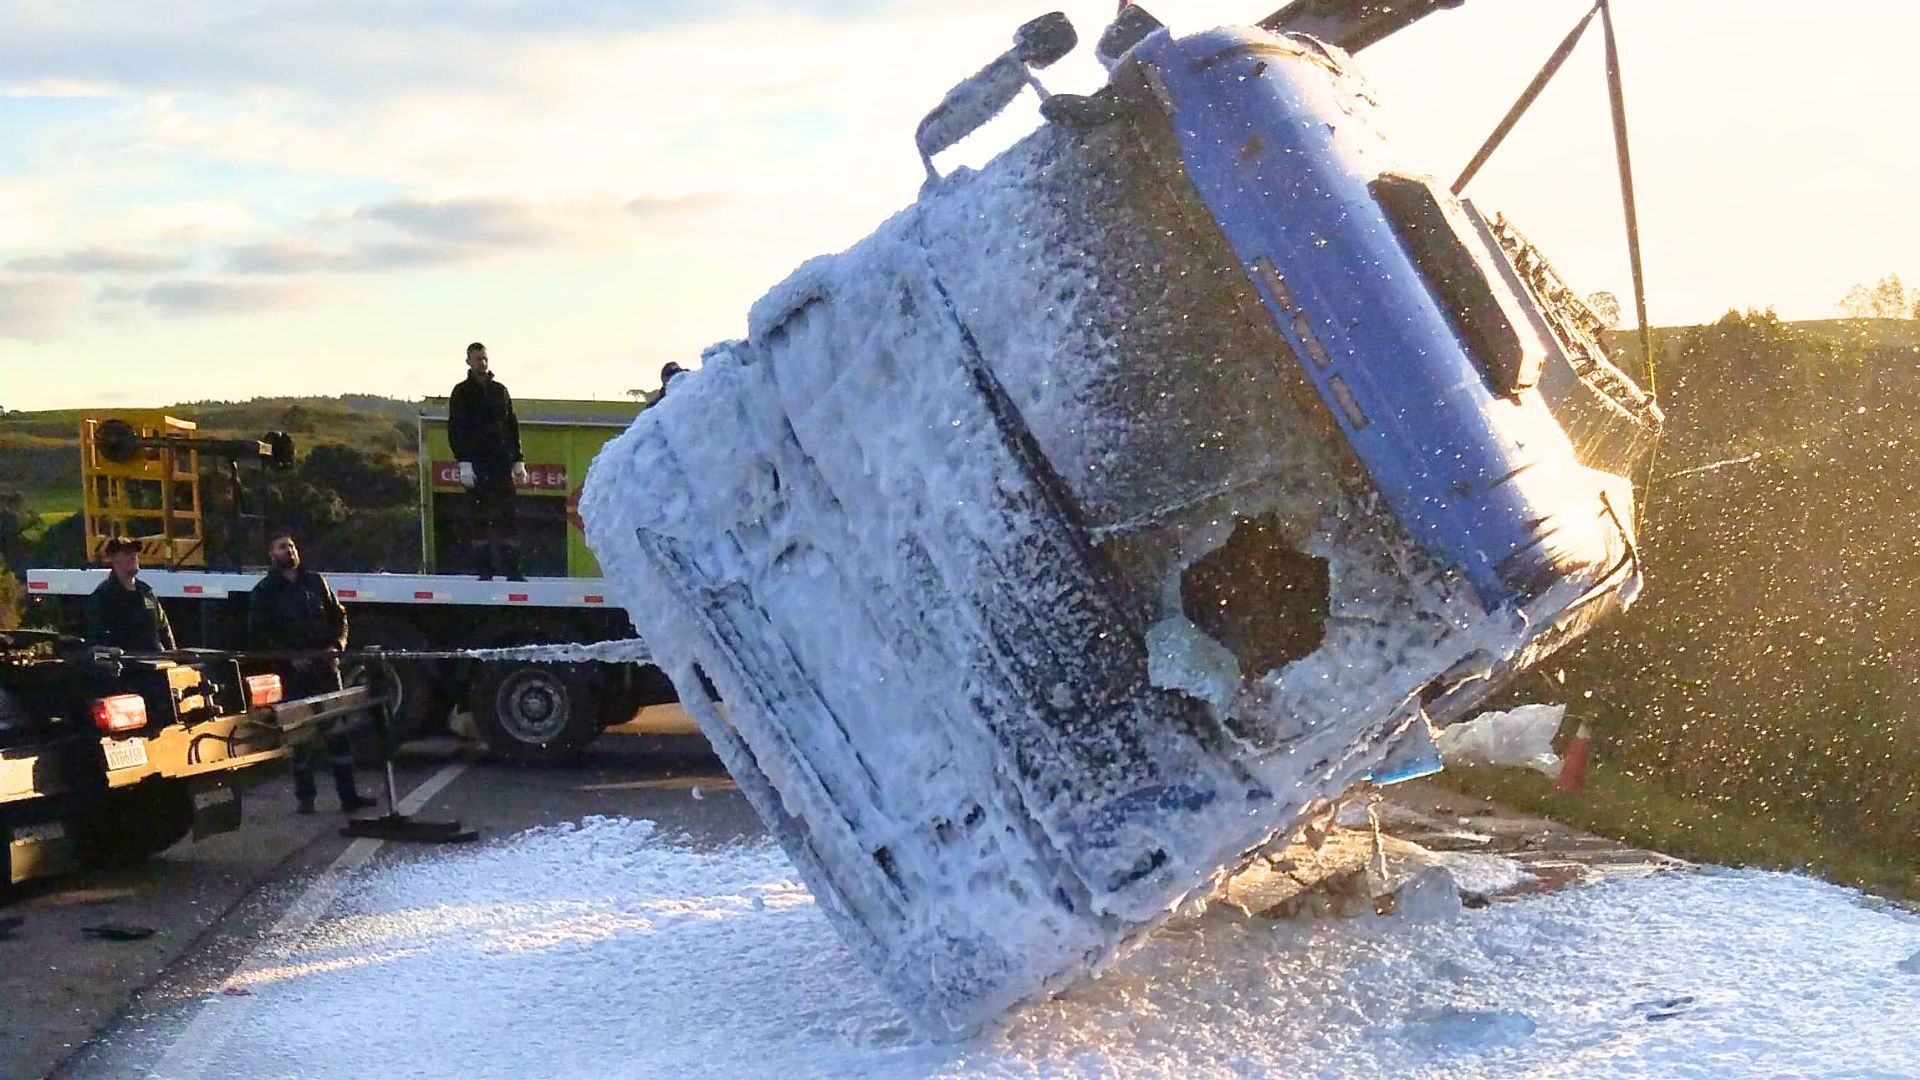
(142, 472)
(525, 710)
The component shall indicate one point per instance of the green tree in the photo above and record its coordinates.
(363, 480)
(10, 593)
(15, 521)
(1887, 298)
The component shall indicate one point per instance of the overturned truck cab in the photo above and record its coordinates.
(1112, 509)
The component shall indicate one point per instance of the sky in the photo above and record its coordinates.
(219, 201)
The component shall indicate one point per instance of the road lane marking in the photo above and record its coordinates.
(196, 1051)
(708, 784)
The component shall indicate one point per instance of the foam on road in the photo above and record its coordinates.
(608, 950)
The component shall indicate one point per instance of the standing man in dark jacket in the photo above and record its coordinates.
(292, 609)
(485, 437)
(122, 612)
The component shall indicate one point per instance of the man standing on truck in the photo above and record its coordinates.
(293, 609)
(122, 612)
(485, 437)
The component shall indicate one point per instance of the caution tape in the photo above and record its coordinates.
(620, 651)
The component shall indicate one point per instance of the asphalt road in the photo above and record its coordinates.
(81, 1006)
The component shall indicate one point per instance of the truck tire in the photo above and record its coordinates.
(535, 714)
(121, 828)
(416, 701)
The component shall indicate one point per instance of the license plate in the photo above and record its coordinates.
(124, 753)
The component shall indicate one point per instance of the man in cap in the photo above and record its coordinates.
(122, 612)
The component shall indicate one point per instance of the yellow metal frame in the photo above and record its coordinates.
(119, 497)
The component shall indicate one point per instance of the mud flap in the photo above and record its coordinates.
(36, 849)
(216, 808)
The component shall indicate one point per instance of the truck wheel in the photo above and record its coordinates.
(124, 827)
(415, 700)
(535, 714)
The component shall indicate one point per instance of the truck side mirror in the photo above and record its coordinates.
(1132, 26)
(1040, 42)
(983, 94)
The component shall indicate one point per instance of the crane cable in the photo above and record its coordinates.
(1616, 97)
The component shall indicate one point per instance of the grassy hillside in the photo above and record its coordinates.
(40, 459)
(1767, 674)
(355, 504)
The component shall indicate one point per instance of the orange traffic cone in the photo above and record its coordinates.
(1573, 768)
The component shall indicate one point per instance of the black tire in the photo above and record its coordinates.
(535, 714)
(417, 703)
(122, 828)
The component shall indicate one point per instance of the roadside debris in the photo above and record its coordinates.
(119, 932)
(1521, 736)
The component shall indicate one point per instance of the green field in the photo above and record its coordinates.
(1640, 810)
(53, 504)
(39, 459)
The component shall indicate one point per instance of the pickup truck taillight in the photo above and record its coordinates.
(121, 712)
(264, 690)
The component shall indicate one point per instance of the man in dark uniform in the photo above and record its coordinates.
(292, 609)
(485, 437)
(122, 612)
(667, 374)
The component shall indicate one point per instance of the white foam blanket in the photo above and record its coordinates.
(924, 532)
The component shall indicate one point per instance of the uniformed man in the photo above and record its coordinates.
(122, 612)
(667, 374)
(293, 609)
(485, 436)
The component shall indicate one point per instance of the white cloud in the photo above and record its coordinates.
(58, 88)
(30, 213)
(204, 297)
(94, 259)
(37, 308)
(408, 233)
(196, 220)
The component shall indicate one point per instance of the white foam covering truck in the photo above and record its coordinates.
(1105, 515)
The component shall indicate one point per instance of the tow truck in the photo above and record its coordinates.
(107, 758)
(144, 473)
